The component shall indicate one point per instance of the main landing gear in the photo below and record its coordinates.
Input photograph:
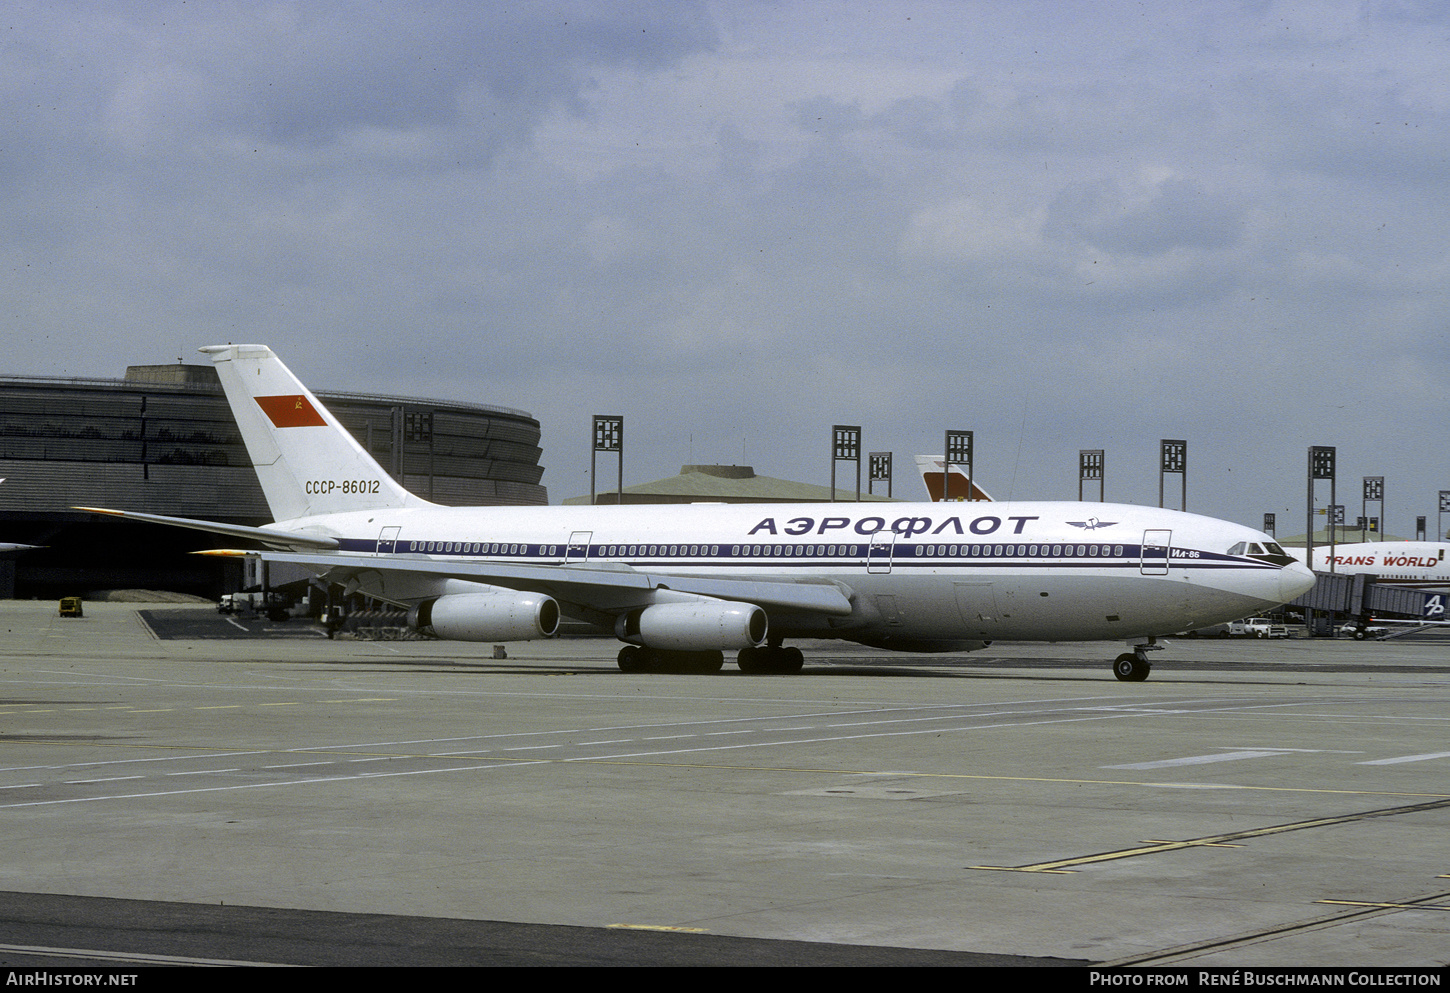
(635, 658)
(1133, 667)
(772, 660)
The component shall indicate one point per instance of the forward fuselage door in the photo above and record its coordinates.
(578, 548)
(878, 555)
(1156, 545)
(388, 540)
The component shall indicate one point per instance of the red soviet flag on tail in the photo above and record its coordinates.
(291, 412)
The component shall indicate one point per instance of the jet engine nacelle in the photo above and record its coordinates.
(487, 616)
(694, 627)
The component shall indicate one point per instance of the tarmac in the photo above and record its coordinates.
(184, 788)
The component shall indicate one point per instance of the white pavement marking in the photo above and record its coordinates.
(1407, 758)
(1257, 753)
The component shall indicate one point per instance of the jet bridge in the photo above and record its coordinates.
(1361, 595)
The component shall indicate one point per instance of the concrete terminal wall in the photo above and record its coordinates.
(163, 441)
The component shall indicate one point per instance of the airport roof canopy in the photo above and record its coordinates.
(1344, 536)
(724, 484)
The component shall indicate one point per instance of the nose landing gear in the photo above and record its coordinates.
(1133, 667)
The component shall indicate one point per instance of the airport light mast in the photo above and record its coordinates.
(1091, 467)
(846, 447)
(880, 471)
(608, 437)
(1321, 466)
(1173, 459)
(957, 449)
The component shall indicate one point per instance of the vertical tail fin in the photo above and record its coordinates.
(942, 484)
(307, 462)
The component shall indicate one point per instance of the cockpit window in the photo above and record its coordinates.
(1268, 551)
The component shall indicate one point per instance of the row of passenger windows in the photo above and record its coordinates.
(480, 548)
(773, 551)
(1026, 551)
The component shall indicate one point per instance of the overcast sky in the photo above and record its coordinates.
(1060, 225)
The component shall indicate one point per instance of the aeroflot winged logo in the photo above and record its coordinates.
(294, 411)
(1092, 524)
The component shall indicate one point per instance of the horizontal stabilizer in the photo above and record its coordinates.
(277, 539)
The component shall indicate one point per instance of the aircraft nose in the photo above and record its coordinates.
(1295, 580)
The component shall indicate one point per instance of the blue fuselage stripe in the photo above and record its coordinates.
(900, 555)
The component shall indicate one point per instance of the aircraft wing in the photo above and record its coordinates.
(595, 589)
(277, 539)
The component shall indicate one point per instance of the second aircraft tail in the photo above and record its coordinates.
(947, 482)
(307, 462)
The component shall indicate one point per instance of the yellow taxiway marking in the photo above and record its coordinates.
(1219, 840)
(1387, 906)
(659, 927)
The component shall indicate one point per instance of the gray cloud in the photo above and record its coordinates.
(1062, 226)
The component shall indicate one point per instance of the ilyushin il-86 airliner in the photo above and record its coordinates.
(681, 585)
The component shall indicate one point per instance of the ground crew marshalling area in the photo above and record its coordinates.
(238, 785)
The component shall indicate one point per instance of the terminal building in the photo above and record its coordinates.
(163, 441)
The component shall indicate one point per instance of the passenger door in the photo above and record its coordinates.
(578, 548)
(388, 540)
(878, 555)
(1156, 545)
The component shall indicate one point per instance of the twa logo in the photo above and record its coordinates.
(291, 412)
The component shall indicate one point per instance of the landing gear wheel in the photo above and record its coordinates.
(770, 661)
(752, 661)
(1129, 668)
(632, 659)
(636, 658)
(704, 662)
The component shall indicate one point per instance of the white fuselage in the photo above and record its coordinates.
(914, 573)
(1419, 565)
